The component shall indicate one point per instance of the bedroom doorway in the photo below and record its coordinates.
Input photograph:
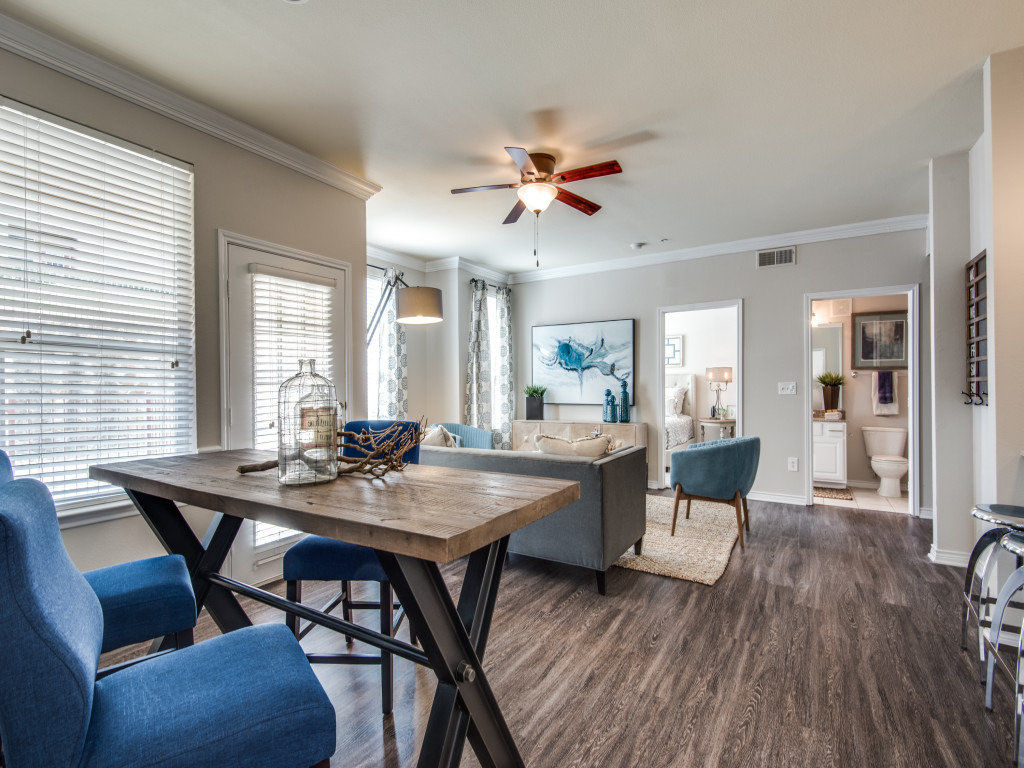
(701, 382)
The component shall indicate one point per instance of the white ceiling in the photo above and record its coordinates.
(731, 120)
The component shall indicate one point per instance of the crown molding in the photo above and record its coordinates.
(30, 43)
(392, 257)
(842, 232)
(455, 262)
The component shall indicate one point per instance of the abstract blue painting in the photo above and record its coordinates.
(577, 362)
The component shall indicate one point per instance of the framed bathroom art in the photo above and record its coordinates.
(879, 340)
(577, 362)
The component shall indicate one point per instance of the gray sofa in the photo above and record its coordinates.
(593, 532)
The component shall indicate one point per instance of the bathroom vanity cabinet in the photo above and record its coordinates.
(829, 453)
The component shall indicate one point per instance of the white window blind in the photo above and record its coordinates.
(96, 302)
(291, 321)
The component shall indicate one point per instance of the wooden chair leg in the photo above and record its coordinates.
(688, 502)
(323, 764)
(675, 509)
(387, 660)
(738, 502)
(746, 513)
(293, 591)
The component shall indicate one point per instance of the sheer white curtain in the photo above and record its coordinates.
(387, 361)
(477, 411)
(504, 396)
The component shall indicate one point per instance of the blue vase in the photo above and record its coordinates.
(624, 404)
(610, 412)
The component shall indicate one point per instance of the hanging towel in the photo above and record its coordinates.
(878, 407)
(884, 387)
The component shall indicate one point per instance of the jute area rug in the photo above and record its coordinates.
(699, 551)
(833, 493)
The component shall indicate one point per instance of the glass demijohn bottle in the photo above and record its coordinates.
(307, 438)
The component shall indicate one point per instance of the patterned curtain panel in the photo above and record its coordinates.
(503, 356)
(478, 365)
(393, 384)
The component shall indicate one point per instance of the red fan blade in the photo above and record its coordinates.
(523, 160)
(589, 172)
(481, 189)
(515, 213)
(577, 202)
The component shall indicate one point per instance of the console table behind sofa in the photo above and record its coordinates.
(593, 532)
(624, 434)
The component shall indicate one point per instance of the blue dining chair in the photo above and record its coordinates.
(317, 558)
(718, 470)
(248, 698)
(141, 600)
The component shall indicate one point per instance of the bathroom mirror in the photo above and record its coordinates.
(826, 355)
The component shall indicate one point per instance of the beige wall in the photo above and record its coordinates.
(235, 190)
(773, 331)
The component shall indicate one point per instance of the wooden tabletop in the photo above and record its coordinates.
(433, 513)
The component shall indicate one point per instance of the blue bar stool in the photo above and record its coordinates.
(978, 599)
(1012, 542)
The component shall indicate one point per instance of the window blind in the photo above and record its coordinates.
(96, 302)
(291, 321)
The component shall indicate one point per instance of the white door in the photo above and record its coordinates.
(280, 308)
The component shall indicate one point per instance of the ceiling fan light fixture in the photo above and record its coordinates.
(419, 306)
(537, 195)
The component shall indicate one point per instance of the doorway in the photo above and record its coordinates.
(701, 382)
(869, 337)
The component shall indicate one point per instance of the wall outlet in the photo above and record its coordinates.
(794, 464)
(787, 387)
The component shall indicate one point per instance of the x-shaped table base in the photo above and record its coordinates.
(453, 639)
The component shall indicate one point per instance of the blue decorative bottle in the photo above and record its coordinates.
(624, 404)
(610, 412)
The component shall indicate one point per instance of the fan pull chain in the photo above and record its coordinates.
(536, 236)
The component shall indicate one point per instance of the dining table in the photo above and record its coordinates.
(415, 519)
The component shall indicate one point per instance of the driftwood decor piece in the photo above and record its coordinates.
(379, 452)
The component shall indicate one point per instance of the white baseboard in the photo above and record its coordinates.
(652, 485)
(778, 498)
(927, 514)
(949, 557)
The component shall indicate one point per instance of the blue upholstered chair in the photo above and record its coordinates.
(247, 698)
(719, 470)
(469, 437)
(317, 558)
(141, 600)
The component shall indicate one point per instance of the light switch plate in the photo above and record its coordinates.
(794, 464)
(787, 387)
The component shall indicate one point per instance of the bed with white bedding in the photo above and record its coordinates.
(679, 427)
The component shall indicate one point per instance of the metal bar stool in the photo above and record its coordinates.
(978, 599)
(1012, 542)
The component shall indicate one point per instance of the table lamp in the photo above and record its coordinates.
(718, 379)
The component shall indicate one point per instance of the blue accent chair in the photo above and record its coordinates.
(318, 558)
(719, 470)
(141, 600)
(246, 698)
(469, 437)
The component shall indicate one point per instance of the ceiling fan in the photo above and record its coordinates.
(538, 185)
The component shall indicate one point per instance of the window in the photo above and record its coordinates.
(375, 346)
(96, 302)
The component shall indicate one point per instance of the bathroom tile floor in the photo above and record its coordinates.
(868, 498)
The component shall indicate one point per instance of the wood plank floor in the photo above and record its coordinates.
(831, 640)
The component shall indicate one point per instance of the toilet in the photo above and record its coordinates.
(885, 446)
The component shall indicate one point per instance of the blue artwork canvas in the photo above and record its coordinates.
(577, 362)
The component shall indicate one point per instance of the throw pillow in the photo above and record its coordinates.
(439, 436)
(677, 397)
(584, 446)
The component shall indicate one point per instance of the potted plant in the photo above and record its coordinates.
(830, 383)
(534, 401)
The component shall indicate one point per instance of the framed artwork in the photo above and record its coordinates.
(577, 362)
(730, 412)
(879, 340)
(674, 350)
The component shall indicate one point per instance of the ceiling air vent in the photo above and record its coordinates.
(780, 257)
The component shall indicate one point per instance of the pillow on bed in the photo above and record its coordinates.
(584, 446)
(676, 400)
(439, 436)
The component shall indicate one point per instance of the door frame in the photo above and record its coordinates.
(662, 311)
(226, 239)
(912, 292)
